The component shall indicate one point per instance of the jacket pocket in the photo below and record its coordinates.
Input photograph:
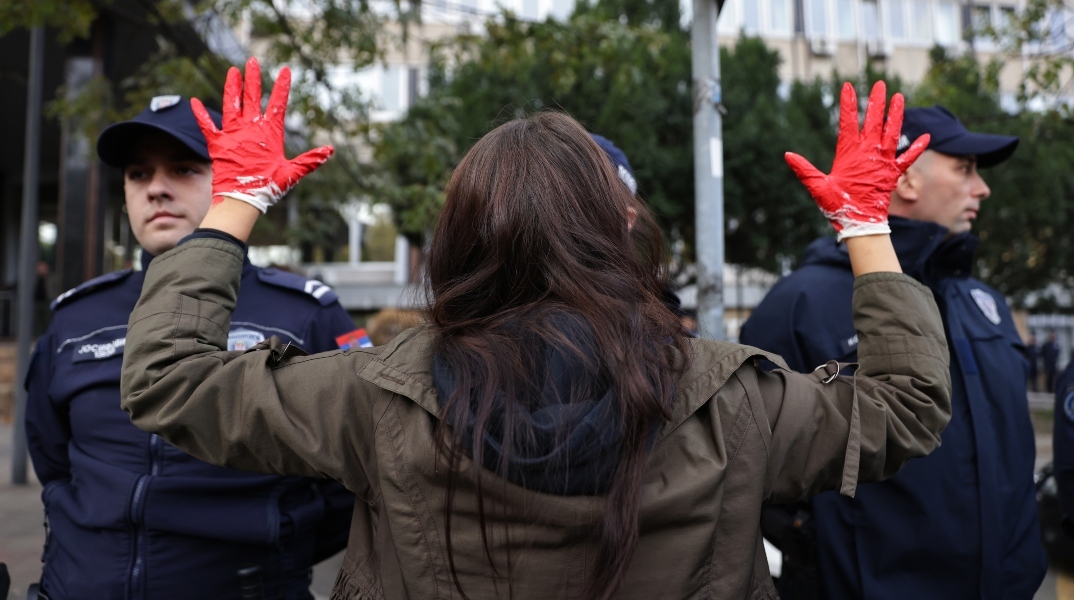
(46, 494)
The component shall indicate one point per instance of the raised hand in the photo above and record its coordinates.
(247, 153)
(856, 195)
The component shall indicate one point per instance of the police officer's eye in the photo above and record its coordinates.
(135, 174)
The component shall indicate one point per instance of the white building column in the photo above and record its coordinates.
(354, 212)
(402, 260)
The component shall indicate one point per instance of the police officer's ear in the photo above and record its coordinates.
(910, 183)
(908, 186)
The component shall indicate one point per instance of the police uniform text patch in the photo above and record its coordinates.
(243, 339)
(99, 349)
(847, 345)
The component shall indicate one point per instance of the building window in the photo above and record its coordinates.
(389, 90)
(781, 13)
(896, 19)
(921, 21)
(980, 18)
(727, 21)
(870, 20)
(531, 10)
(1006, 17)
(947, 29)
(562, 9)
(817, 23)
(413, 86)
(846, 19)
(1057, 29)
(751, 17)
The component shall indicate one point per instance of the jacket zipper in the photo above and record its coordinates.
(156, 457)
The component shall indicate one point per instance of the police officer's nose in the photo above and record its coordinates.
(158, 188)
(980, 188)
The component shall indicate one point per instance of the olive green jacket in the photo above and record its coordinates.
(739, 437)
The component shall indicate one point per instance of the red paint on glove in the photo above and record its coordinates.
(247, 153)
(856, 195)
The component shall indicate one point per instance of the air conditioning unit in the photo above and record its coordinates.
(822, 45)
(879, 48)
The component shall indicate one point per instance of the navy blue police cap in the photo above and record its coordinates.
(619, 161)
(949, 136)
(166, 114)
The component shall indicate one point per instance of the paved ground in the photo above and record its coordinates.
(21, 531)
(22, 535)
(1041, 401)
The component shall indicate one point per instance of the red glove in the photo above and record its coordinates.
(855, 196)
(248, 159)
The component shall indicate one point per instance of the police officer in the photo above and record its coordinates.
(1063, 444)
(962, 522)
(128, 515)
(1049, 355)
(626, 174)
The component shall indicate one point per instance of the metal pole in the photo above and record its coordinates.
(28, 247)
(708, 169)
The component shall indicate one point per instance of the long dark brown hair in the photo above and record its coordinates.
(536, 225)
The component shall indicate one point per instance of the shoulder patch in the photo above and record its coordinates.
(320, 292)
(355, 339)
(1068, 404)
(89, 286)
(987, 304)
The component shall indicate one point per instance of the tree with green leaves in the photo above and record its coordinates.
(627, 79)
(317, 38)
(770, 217)
(1039, 35)
(622, 67)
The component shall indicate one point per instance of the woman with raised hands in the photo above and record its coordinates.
(551, 432)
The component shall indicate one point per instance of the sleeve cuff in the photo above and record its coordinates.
(213, 234)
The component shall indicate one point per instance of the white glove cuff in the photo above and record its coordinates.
(259, 198)
(858, 229)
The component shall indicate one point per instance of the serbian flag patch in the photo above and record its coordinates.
(355, 339)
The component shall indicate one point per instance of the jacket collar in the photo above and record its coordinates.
(247, 266)
(712, 363)
(924, 250)
(927, 254)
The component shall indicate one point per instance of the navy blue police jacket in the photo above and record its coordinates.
(1063, 443)
(961, 522)
(130, 516)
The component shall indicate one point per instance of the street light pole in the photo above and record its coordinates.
(708, 169)
(28, 247)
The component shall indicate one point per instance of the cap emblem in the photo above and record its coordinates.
(904, 142)
(159, 103)
(628, 179)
